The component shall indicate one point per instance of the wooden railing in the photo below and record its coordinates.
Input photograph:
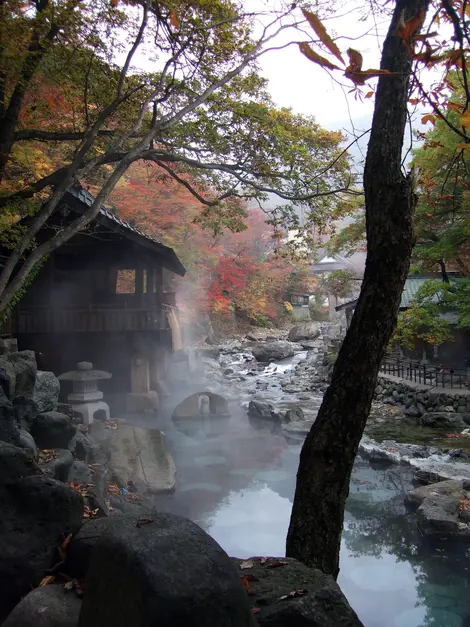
(87, 320)
(433, 376)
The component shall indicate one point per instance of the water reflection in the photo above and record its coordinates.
(237, 481)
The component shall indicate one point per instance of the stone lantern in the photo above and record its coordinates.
(86, 398)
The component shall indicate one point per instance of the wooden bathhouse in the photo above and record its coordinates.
(101, 297)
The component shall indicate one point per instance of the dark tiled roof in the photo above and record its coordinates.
(84, 197)
(412, 285)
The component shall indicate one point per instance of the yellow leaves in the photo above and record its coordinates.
(465, 119)
(315, 57)
(321, 32)
(429, 117)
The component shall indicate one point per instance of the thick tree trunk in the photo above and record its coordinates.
(330, 448)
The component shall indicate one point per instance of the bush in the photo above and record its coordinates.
(317, 313)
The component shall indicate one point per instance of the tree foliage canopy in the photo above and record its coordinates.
(88, 88)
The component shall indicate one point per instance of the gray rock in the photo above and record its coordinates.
(167, 572)
(415, 497)
(412, 411)
(82, 544)
(24, 364)
(48, 606)
(36, 512)
(141, 456)
(421, 408)
(46, 391)
(52, 430)
(262, 411)
(323, 604)
(27, 442)
(59, 467)
(294, 415)
(442, 420)
(8, 427)
(465, 516)
(83, 447)
(7, 377)
(79, 473)
(305, 331)
(438, 515)
(272, 351)
(26, 410)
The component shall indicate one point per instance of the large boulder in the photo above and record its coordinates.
(46, 391)
(140, 456)
(273, 351)
(7, 377)
(414, 498)
(25, 367)
(37, 512)
(263, 411)
(47, 606)
(439, 515)
(57, 464)
(8, 427)
(52, 429)
(305, 331)
(27, 442)
(164, 570)
(293, 595)
(442, 420)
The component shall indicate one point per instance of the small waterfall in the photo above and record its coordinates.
(176, 336)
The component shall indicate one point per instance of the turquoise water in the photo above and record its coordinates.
(237, 481)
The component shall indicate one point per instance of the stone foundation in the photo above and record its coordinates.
(419, 397)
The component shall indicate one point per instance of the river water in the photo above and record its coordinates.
(236, 479)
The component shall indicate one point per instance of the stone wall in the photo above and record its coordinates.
(418, 398)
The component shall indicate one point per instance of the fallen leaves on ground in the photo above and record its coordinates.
(246, 582)
(276, 564)
(110, 424)
(294, 594)
(89, 513)
(464, 505)
(143, 520)
(246, 564)
(47, 455)
(82, 488)
(271, 562)
(46, 581)
(74, 584)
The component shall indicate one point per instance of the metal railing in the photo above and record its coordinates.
(435, 376)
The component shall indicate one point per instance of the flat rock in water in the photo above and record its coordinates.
(165, 571)
(36, 513)
(142, 457)
(48, 606)
(444, 488)
(439, 515)
(274, 351)
(293, 595)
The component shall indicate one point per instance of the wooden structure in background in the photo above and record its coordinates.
(98, 298)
